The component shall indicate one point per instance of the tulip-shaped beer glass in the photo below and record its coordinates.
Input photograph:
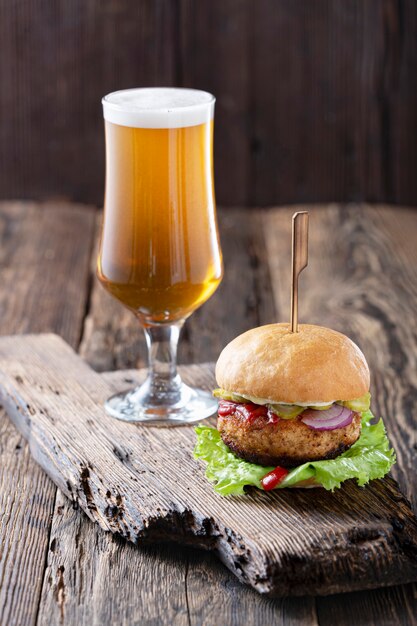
(160, 253)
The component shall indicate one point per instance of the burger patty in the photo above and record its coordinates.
(287, 443)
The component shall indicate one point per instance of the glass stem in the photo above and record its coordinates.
(163, 382)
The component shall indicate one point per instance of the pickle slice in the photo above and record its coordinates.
(323, 407)
(286, 411)
(228, 395)
(359, 404)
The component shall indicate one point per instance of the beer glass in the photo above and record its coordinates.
(160, 253)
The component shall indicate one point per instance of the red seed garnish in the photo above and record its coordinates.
(274, 478)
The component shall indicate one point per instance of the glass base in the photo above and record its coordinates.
(139, 405)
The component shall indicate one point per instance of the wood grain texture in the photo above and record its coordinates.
(26, 505)
(89, 578)
(215, 596)
(58, 60)
(206, 580)
(379, 607)
(216, 43)
(97, 578)
(315, 101)
(43, 286)
(128, 480)
(340, 85)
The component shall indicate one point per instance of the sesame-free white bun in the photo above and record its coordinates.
(316, 364)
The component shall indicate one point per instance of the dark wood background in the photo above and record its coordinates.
(317, 100)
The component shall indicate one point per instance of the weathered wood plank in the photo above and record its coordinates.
(44, 256)
(96, 579)
(361, 280)
(281, 543)
(216, 597)
(90, 579)
(377, 607)
(26, 504)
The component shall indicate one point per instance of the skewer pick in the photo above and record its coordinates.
(299, 260)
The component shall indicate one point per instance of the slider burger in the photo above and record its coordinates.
(293, 412)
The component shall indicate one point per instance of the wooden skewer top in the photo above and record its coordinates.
(299, 260)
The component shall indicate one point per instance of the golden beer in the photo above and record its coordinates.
(160, 253)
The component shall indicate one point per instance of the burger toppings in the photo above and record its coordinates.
(291, 411)
(274, 478)
(335, 417)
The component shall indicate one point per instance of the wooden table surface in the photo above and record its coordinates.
(56, 567)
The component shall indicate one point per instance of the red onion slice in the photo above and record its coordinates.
(336, 417)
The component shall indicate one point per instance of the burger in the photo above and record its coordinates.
(294, 411)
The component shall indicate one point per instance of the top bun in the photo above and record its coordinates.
(316, 364)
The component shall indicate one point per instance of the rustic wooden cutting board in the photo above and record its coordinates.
(143, 483)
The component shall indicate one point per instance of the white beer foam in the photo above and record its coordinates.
(158, 107)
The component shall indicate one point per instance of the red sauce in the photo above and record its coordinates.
(274, 478)
(226, 408)
(248, 411)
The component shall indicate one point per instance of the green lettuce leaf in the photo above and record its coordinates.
(369, 458)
